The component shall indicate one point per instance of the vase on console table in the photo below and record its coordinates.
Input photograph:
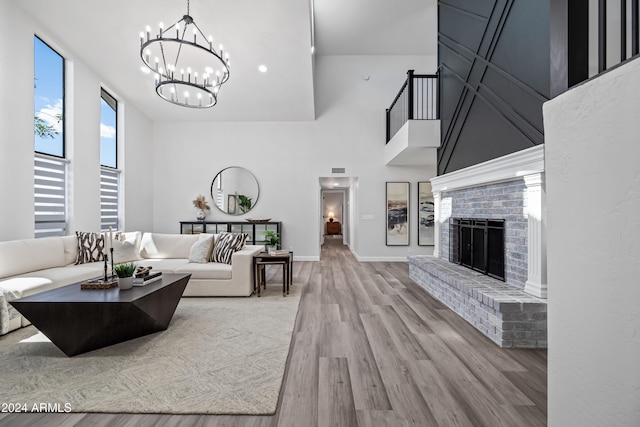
(201, 214)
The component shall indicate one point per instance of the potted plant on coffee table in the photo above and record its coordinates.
(271, 240)
(125, 275)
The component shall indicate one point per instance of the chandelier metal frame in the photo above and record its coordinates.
(175, 86)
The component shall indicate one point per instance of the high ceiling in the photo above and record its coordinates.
(276, 33)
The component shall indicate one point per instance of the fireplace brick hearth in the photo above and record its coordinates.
(511, 189)
(505, 314)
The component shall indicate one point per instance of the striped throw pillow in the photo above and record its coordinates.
(226, 244)
(90, 247)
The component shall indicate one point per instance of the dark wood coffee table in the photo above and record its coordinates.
(80, 320)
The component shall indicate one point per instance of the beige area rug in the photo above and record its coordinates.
(218, 356)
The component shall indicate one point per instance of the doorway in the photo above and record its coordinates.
(334, 223)
(336, 197)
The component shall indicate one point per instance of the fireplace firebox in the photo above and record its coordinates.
(478, 244)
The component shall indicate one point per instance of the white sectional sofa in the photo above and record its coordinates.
(36, 265)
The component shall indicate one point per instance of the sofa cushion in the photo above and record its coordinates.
(201, 250)
(90, 247)
(210, 271)
(51, 278)
(23, 256)
(70, 249)
(159, 246)
(126, 247)
(166, 265)
(226, 244)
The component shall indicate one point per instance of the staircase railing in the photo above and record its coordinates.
(416, 100)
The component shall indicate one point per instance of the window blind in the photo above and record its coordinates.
(109, 198)
(50, 194)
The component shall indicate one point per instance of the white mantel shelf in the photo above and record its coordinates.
(505, 168)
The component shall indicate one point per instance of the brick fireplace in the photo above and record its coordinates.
(507, 190)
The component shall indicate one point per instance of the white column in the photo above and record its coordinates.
(537, 255)
(436, 224)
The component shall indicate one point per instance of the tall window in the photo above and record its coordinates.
(50, 166)
(109, 174)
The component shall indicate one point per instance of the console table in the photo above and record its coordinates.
(255, 230)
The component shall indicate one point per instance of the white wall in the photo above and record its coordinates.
(16, 125)
(136, 160)
(287, 158)
(82, 137)
(593, 194)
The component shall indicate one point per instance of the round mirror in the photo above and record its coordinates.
(235, 190)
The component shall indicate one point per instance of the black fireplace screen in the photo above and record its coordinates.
(478, 244)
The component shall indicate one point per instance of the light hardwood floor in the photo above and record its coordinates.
(371, 348)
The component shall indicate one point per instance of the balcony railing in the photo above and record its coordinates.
(627, 29)
(591, 37)
(416, 100)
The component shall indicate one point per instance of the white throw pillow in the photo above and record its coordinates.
(201, 250)
(126, 247)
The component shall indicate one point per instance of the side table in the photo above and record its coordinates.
(261, 260)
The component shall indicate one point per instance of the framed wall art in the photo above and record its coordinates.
(397, 205)
(425, 215)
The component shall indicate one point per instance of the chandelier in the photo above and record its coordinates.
(188, 70)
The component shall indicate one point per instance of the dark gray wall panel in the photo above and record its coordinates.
(479, 7)
(485, 126)
(449, 19)
(518, 51)
(494, 69)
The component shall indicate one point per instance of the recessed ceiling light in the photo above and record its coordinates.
(145, 70)
(335, 184)
(262, 68)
